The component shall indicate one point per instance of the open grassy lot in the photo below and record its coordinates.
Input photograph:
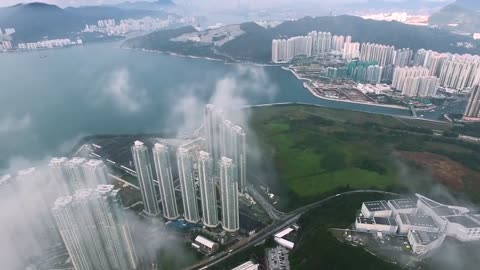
(318, 151)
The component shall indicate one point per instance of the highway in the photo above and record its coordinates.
(275, 227)
(272, 212)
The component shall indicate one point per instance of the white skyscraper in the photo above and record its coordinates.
(403, 57)
(415, 81)
(229, 195)
(75, 174)
(351, 50)
(143, 167)
(241, 157)
(96, 173)
(208, 194)
(473, 106)
(113, 228)
(187, 185)
(382, 54)
(166, 186)
(58, 173)
(94, 231)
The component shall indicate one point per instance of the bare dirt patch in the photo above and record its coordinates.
(443, 169)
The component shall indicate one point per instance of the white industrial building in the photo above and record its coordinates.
(376, 209)
(464, 228)
(376, 224)
(247, 266)
(205, 245)
(425, 222)
(405, 206)
(423, 242)
(407, 222)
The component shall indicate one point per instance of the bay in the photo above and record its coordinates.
(49, 99)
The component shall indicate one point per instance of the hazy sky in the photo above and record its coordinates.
(209, 3)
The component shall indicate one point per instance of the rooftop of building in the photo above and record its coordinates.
(364, 220)
(26, 171)
(466, 221)
(374, 206)
(405, 203)
(377, 220)
(428, 202)
(418, 220)
(425, 238)
(204, 241)
(385, 221)
(445, 211)
(246, 266)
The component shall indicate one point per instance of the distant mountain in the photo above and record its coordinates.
(155, 5)
(397, 5)
(469, 4)
(255, 43)
(38, 20)
(462, 16)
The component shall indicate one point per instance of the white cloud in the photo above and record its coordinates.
(12, 124)
(120, 91)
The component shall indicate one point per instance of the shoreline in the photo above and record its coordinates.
(305, 85)
(226, 62)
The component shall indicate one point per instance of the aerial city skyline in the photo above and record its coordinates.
(239, 135)
(216, 177)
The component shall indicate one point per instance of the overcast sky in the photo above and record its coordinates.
(204, 3)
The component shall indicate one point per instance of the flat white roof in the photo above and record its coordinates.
(284, 243)
(247, 266)
(204, 241)
(284, 232)
(138, 143)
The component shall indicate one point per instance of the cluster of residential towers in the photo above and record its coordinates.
(70, 202)
(210, 171)
(89, 216)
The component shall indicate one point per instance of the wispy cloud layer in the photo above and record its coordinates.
(12, 124)
(120, 91)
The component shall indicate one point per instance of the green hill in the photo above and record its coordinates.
(36, 21)
(463, 16)
(255, 43)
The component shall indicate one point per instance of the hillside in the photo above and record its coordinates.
(37, 20)
(156, 5)
(462, 16)
(255, 44)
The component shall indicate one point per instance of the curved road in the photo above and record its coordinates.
(275, 227)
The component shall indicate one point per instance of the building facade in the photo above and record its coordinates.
(143, 167)
(163, 169)
(187, 185)
(208, 194)
(229, 195)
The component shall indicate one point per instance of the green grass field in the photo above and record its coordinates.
(319, 151)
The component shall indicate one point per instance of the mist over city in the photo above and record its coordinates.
(242, 135)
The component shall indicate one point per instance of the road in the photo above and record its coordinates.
(272, 212)
(275, 227)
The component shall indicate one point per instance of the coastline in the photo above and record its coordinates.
(305, 85)
(226, 62)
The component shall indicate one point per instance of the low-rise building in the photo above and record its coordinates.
(455, 221)
(464, 228)
(376, 209)
(405, 206)
(423, 242)
(407, 222)
(376, 224)
(205, 245)
(284, 243)
(247, 266)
